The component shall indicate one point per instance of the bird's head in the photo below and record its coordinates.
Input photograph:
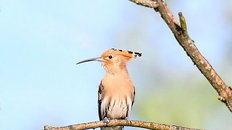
(114, 59)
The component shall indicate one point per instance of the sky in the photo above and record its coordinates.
(42, 40)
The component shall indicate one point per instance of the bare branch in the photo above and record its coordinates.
(146, 3)
(181, 35)
(132, 123)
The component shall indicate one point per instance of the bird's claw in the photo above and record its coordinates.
(106, 120)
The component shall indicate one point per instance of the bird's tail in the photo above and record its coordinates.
(112, 128)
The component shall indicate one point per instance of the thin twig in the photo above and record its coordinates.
(131, 123)
(181, 35)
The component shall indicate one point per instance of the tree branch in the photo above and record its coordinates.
(146, 3)
(181, 35)
(132, 123)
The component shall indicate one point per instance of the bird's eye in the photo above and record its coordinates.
(110, 56)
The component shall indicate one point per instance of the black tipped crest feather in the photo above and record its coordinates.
(130, 52)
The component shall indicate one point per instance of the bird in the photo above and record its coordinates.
(116, 93)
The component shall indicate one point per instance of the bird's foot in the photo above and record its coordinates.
(106, 120)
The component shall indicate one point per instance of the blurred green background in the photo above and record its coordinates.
(42, 40)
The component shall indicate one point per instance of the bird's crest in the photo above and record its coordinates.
(125, 53)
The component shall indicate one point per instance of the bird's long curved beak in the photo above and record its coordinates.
(92, 59)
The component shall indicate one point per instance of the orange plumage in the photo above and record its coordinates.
(116, 90)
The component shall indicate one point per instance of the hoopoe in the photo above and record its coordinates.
(116, 92)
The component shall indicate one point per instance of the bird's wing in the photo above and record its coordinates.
(100, 101)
